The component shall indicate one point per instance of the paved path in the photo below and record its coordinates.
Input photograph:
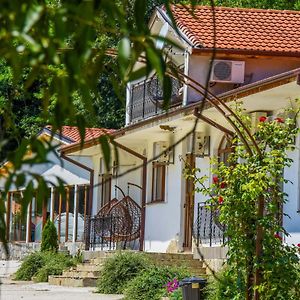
(12, 290)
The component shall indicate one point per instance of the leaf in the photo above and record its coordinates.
(124, 51)
(139, 13)
(32, 17)
(138, 74)
(104, 142)
(155, 59)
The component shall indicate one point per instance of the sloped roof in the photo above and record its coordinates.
(72, 133)
(240, 28)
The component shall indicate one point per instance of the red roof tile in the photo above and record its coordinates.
(72, 133)
(241, 29)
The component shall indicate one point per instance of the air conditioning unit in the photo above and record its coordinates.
(162, 153)
(201, 144)
(228, 71)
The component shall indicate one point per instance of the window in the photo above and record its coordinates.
(158, 182)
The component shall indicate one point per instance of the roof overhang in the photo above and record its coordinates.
(283, 86)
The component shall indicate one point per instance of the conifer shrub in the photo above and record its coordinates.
(49, 237)
(119, 269)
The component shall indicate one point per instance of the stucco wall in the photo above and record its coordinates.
(256, 68)
(163, 220)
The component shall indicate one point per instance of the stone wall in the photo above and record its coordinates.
(18, 251)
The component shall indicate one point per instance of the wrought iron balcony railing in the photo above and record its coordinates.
(146, 98)
(208, 230)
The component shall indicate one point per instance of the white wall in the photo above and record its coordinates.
(255, 69)
(163, 220)
(292, 222)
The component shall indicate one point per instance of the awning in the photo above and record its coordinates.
(68, 177)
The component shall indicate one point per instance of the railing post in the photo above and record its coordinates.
(131, 103)
(210, 227)
(87, 233)
(144, 94)
(156, 93)
(198, 224)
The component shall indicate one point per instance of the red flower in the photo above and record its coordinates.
(220, 200)
(215, 179)
(262, 119)
(279, 120)
(298, 245)
(223, 185)
(277, 236)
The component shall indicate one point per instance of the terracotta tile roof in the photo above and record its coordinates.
(241, 29)
(72, 133)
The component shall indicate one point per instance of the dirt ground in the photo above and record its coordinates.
(11, 290)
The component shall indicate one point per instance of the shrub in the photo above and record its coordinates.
(222, 287)
(150, 284)
(55, 264)
(31, 264)
(49, 237)
(40, 265)
(119, 269)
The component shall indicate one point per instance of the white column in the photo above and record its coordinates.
(51, 204)
(74, 214)
(28, 225)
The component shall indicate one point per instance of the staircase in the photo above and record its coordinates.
(87, 273)
(193, 266)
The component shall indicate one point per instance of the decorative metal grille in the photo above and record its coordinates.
(208, 230)
(147, 98)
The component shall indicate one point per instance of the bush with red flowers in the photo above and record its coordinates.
(249, 178)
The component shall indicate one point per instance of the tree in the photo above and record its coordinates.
(49, 237)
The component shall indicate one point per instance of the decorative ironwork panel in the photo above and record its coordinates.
(208, 229)
(147, 98)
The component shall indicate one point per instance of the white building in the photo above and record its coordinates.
(257, 62)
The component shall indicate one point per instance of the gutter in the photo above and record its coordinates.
(245, 52)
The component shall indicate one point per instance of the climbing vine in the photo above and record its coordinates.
(236, 189)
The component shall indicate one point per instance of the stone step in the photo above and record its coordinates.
(72, 282)
(177, 256)
(183, 263)
(89, 255)
(88, 268)
(81, 274)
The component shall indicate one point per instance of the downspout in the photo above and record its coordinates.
(144, 185)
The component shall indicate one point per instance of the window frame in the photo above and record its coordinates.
(154, 195)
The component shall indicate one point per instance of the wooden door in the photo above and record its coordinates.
(189, 206)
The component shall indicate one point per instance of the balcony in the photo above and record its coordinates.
(146, 99)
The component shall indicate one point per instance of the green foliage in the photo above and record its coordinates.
(39, 265)
(119, 269)
(151, 283)
(49, 237)
(31, 264)
(250, 179)
(54, 264)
